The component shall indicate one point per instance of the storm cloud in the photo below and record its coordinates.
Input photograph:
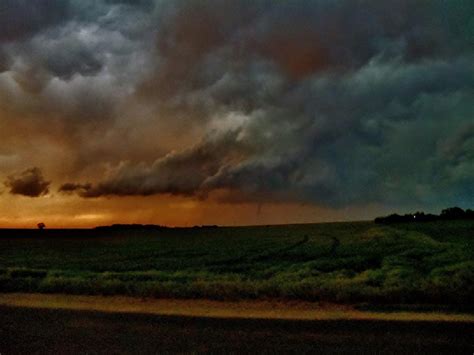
(21, 18)
(30, 183)
(334, 103)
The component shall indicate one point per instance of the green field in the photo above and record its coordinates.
(418, 263)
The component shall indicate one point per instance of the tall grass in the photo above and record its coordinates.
(371, 264)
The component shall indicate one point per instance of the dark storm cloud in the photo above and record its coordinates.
(331, 102)
(70, 187)
(65, 78)
(199, 42)
(21, 18)
(4, 61)
(29, 183)
(90, 38)
(177, 173)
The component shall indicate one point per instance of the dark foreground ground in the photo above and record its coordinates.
(49, 331)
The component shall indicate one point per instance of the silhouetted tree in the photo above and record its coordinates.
(41, 226)
(453, 213)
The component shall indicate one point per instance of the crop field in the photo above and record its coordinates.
(417, 263)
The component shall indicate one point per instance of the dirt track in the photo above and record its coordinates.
(36, 330)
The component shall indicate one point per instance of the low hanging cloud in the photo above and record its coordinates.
(30, 183)
(177, 173)
(71, 188)
(334, 103)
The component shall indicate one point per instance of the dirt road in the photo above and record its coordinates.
(26, 330)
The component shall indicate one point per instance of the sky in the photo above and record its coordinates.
(233, 112)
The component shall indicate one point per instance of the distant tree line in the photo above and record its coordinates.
(116, 227)
(452, 213)
(127, 227)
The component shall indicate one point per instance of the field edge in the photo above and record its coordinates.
(255, 309)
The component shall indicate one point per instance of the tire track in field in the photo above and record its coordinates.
(281, 251)
(260, 257)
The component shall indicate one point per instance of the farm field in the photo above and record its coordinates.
(418, 264)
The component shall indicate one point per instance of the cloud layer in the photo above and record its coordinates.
(30, 183)
(333, 103)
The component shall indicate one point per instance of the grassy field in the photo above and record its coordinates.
(423, 263)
